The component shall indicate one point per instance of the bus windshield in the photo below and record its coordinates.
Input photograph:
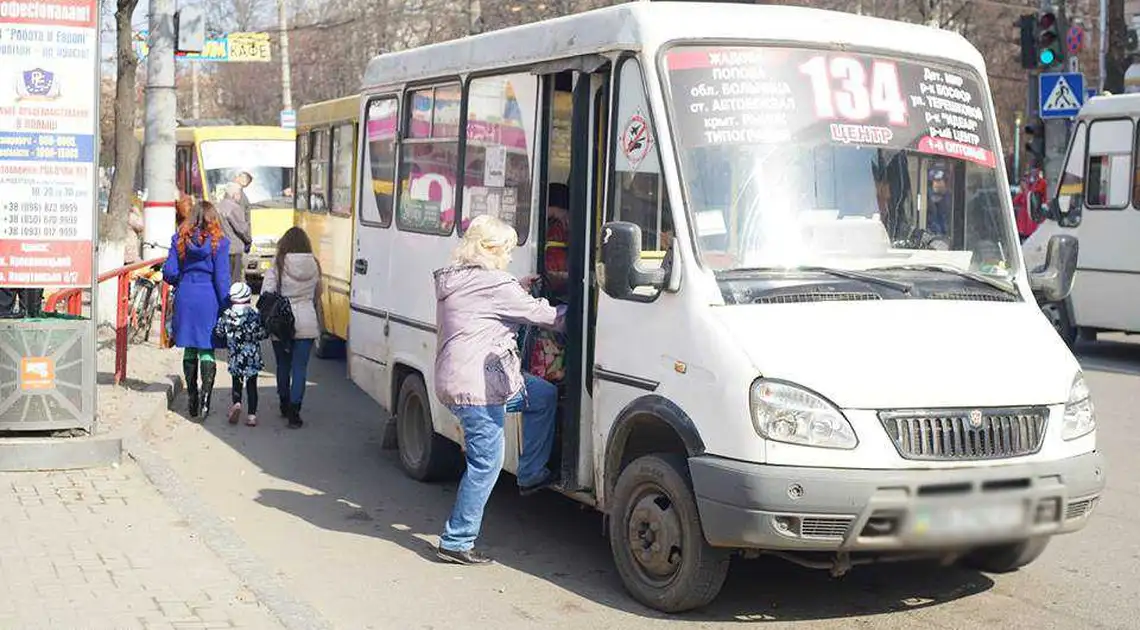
(797, 158)
(269, 162)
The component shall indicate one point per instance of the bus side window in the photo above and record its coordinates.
(429, 161)
(379, 168)
(319, 171)
(1072, 184)
(639, 189)
(343, 136)
(1110, 165)
(301, 174)
(500, 130)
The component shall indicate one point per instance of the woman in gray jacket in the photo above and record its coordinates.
(478, 375)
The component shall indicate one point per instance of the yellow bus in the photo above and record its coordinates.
(324, 202)
(208, 155)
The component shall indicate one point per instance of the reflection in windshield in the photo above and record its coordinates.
(774, 179)
(271, 184)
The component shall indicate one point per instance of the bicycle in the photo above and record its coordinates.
(145, 301)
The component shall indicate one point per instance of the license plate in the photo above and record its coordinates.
(963, 520)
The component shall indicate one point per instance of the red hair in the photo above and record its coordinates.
(202, 223)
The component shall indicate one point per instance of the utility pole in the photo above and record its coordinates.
(195, 104)
(1103, 47)
(286, 79)
(1056, 129)
(158, 150)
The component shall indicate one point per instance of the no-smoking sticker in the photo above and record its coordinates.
(636, 140)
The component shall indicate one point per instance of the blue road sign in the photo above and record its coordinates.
(1060, 94)
(289, 118)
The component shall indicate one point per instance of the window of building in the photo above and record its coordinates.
(500, 131)
(429, 161)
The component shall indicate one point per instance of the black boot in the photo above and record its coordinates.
(190, 371)
(294, 415)
(284, 405)
(209, 370)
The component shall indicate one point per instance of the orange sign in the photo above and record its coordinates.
(37, 373)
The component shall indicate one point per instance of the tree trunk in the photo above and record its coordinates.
(113, 228)
(1116, 59)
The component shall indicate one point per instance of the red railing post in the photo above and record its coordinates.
(75, 304)
(121, 328)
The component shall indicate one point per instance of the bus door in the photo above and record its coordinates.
(575, 115)
(370, 301)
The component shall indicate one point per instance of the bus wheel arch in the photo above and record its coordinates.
(653, 524)
(424, 454)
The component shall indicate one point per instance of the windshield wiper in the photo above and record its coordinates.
(897, 285)
(1008, 288)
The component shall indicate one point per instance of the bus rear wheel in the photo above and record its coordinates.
(424, 454)
(656, 537)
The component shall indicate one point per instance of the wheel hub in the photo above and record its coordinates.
(655, 536)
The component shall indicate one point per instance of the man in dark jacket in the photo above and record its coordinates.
(236, 228)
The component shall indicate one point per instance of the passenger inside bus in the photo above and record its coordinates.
(547, 353)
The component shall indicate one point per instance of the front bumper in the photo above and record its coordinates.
(755, 506)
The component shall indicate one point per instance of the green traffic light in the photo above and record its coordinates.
(1047, 57)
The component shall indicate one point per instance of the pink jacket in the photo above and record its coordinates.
(478, 312)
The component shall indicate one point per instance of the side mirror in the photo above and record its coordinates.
(621, 271)
(1054, 281)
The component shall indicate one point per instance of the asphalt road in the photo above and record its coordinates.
(349, 534)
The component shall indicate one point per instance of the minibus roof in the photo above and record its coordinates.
(649, 25)
(1111, 106)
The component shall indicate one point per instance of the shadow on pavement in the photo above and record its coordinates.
(363, 491)
(1113, 355)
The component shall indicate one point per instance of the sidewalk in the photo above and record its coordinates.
(104, 548)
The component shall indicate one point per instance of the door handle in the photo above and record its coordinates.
(360, 266)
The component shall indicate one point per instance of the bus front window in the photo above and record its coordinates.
(798, 158)
(269, 162)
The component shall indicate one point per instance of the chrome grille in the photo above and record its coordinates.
(1077, 509)
(815, 296)
(822, 527)
(965, 434)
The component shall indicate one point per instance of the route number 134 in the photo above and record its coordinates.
(841, 89)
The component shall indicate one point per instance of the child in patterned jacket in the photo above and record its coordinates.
(240, 325)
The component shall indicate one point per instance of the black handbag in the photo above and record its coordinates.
(276, 313)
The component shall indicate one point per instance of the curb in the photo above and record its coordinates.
(258, 577)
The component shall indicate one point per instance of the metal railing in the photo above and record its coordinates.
(74, 301)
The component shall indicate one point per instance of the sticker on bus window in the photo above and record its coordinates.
(636, 140)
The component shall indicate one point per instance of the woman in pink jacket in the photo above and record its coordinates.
(478, 375)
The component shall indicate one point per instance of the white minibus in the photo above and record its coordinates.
(1097, 201)
(800, 324)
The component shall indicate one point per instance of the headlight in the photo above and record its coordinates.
(786, 413)
(1080, 417)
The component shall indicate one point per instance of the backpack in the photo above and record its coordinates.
(276, 313)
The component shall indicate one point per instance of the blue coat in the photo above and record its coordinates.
(202, 280)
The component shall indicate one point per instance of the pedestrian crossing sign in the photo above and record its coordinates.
(1060, 94)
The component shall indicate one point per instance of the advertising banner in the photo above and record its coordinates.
(48, 131)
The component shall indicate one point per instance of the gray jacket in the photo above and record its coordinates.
(234, 225)
(478, 311)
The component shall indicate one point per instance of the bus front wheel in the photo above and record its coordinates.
(656, 538)
(424, 454)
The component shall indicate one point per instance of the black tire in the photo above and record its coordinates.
(424, 454)
(653, 503)
(1008, 557)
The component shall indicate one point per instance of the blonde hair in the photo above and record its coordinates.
(487, 243)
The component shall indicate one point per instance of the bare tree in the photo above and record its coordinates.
(113, 227)
(1116, 59)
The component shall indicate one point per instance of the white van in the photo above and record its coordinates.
(1097, 201)
(799, 320)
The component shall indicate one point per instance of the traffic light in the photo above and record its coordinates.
(1048, 41)
(1027, 25)
(1035, 141)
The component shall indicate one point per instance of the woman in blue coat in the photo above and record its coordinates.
(199, 266)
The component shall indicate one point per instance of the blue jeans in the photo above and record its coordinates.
(483, 436)
(292, 368)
